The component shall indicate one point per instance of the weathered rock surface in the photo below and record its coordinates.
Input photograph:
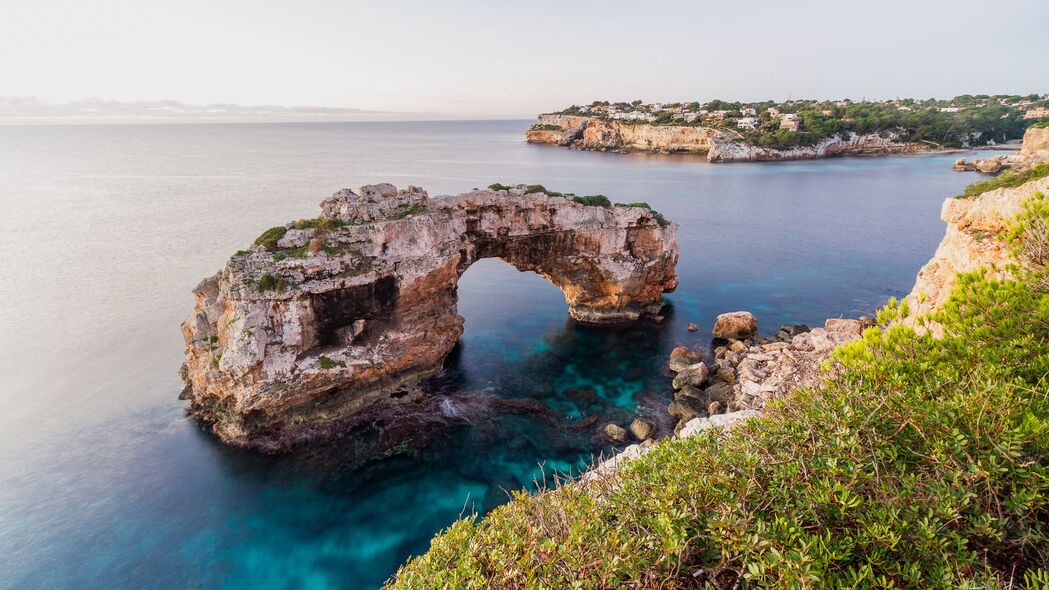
(972, 241)
(736, 324)
(719, 145)
(348, 312)
(728, 150)
(749, 372)
(1034, 150)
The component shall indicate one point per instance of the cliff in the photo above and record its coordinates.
(972, 241)
(325, 319)
(719, 145)
(1034, 150)
(918, 461)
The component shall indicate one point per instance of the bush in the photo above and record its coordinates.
(922, 462)
(593, 200)
(268, 282)
(1005, 180)
(269, 238)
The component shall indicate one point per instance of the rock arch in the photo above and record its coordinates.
(327, 318)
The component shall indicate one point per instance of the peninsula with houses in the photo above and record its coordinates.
(792, 130)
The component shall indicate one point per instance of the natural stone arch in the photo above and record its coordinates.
(326, 318)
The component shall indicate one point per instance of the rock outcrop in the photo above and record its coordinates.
(852, 144)
(327, 318)
(972, 241)
(1034, 150)
(746, 373)
(719, 145)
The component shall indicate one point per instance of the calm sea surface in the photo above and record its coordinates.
(105, 229)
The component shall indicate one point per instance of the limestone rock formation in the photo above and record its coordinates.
(719, 145)
(1034, 150)
(324, 319)
(972, 241)
(737, 324)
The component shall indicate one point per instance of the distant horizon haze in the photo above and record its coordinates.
(474, 59)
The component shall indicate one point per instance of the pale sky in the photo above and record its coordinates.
(492, 58)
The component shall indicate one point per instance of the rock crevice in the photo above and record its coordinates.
(326, 318)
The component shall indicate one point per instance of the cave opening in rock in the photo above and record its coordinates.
(353, 314)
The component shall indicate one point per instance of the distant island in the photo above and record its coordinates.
(792, 130)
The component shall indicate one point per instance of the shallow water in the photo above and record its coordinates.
(105, 229)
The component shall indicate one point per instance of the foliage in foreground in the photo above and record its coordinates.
(1005, 180)
(923, 462)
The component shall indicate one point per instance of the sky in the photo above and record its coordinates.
(498, 59)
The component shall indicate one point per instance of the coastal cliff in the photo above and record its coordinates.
(1034, 150)
(324, 319)
(864, 453)
(973, 240)
(719, 145)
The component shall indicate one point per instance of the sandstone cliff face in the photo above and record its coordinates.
(348, 312)
(971, 242)
(853, 144)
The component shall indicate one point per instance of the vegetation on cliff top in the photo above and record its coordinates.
(588, 200)
(923, 462)
(1005, 180)
(957, 122)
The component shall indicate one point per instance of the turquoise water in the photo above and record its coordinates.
(105, 483)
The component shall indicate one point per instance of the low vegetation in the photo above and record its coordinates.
(922, 463)
(270, 237)
(1005, 180)
(593, 201)
(269, 282)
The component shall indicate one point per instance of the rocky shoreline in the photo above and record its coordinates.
(745, 371)
(718, 145)
(1034, 150)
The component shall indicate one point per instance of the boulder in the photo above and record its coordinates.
(698, 425)
(683, 410)
(642, 429)
(737, 324)
(694, 375)
(689, 392)
(683, 356)
(727, 375)
(844, 327)
(616, 432)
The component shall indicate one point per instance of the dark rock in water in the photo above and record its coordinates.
(683, 356)
(694, 375)
(616, 432)
(642, 429)
(795, 329)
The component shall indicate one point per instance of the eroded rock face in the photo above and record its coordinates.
(349, 311)
(719, 145)
(973, 240)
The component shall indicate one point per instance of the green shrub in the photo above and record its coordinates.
(269, 238)
(922, 463)
(641, 204)
(326, 363)
(545, 127)
(593, 200)
(499, 187)
(268, 282)
(318, 223)
(1006, 180)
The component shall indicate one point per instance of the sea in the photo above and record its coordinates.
(105, 229)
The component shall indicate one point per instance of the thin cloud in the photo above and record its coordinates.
(30, 109)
